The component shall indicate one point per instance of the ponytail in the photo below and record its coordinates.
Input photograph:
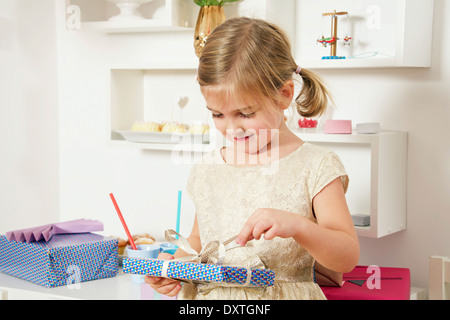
(314, 96)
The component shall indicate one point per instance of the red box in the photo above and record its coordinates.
(372, 283)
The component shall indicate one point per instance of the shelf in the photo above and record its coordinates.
(146, 93)
(175, 148)
(349, 63)
(312, 135)
(178, 15)
(156, 16)
(130, 27)
(376, 165)
(158, 65)
(385, 34)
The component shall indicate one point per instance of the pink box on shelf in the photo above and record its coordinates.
(338, 127)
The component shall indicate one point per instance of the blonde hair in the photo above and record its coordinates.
(252, 59)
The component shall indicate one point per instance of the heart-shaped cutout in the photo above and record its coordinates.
(183, 101)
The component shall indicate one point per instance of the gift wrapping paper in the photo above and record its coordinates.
(199, 272)
(64, 260)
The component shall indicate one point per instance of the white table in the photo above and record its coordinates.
(119, 287)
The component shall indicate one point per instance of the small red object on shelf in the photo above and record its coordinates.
(307, 123)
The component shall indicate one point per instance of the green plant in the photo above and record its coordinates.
(212, 2)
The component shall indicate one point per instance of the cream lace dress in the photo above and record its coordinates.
(225, 196)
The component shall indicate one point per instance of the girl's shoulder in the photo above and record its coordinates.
(325, 165)
(316, 158)
(311, 152)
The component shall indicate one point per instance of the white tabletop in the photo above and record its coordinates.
(119, 287)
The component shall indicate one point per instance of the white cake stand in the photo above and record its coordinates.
(128, 9)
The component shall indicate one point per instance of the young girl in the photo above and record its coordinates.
(287, 217)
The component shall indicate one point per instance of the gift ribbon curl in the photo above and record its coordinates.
(213, 253)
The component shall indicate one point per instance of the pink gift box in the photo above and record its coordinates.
(360, 284)
(338, 127)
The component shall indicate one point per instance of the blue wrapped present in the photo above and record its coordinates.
(205, 267)
(65, 259)
(200, 272)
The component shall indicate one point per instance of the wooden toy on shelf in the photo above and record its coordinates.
(333, 39)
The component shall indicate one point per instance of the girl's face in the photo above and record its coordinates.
(249, 126)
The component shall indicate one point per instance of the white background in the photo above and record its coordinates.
(55, 163)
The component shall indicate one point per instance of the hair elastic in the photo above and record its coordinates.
(299, 69)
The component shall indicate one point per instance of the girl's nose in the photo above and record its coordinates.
(235, 132)
(233, 125)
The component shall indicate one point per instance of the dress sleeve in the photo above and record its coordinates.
(329, 169)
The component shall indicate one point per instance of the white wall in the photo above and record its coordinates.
(29, 163)
(75, 175)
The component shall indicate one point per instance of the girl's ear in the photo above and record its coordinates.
(286, 94)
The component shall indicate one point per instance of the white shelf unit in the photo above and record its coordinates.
(376, 164)
(385, 33)
(132, 27)
(150, 93)
(159, 16)
(178, 15)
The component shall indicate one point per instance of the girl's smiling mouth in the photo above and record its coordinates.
(244, 138)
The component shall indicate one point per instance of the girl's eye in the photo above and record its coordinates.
(247, 116)
(242, 115)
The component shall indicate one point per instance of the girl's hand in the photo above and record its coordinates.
(168, 287)
(270, 222)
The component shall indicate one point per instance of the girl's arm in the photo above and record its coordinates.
(332, 241)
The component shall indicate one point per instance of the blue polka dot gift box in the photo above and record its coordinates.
(200, 272)
(64, 260)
